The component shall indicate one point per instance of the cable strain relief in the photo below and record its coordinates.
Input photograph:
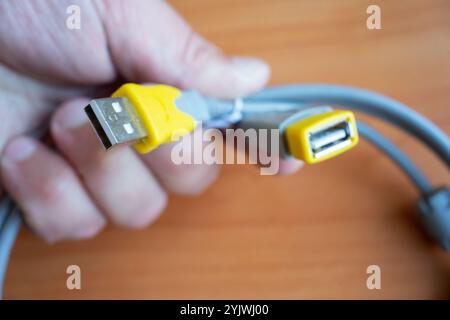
(434, 209)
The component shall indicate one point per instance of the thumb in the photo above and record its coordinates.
(149, 41)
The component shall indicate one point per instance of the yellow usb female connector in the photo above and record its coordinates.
(322, 136)
(310, 134)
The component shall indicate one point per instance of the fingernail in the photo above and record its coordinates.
(18, 150)
(71, 117)
(250, 68)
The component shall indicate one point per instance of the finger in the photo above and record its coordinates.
(187, 179)
(155, 44)
(289, 166)
(48, 192)
(284, 166)
(118, 181)
(280, 166)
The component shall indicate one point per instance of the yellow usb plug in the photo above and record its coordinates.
(322, 136)
(146, 116)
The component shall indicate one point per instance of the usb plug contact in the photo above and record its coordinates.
(115, 121)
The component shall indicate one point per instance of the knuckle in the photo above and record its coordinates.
(195, 51)
(196, 48)
(55, 185)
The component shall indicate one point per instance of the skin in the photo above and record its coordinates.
(48, 73)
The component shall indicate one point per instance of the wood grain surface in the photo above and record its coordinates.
(310, 235)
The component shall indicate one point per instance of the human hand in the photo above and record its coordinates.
(46, 73)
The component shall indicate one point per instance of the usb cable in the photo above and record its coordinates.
(149, 116)
(311, 130)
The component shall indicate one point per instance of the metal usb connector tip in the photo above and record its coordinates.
(115, 121)
(330, 139)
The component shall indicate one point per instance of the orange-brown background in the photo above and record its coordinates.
(311, 235)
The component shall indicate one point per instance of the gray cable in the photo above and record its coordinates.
(8, 234)
(5, 208)
(400, 158)
(366, 101)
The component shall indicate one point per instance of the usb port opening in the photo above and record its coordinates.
(330, 139)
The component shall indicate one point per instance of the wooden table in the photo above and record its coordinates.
(311, 235)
